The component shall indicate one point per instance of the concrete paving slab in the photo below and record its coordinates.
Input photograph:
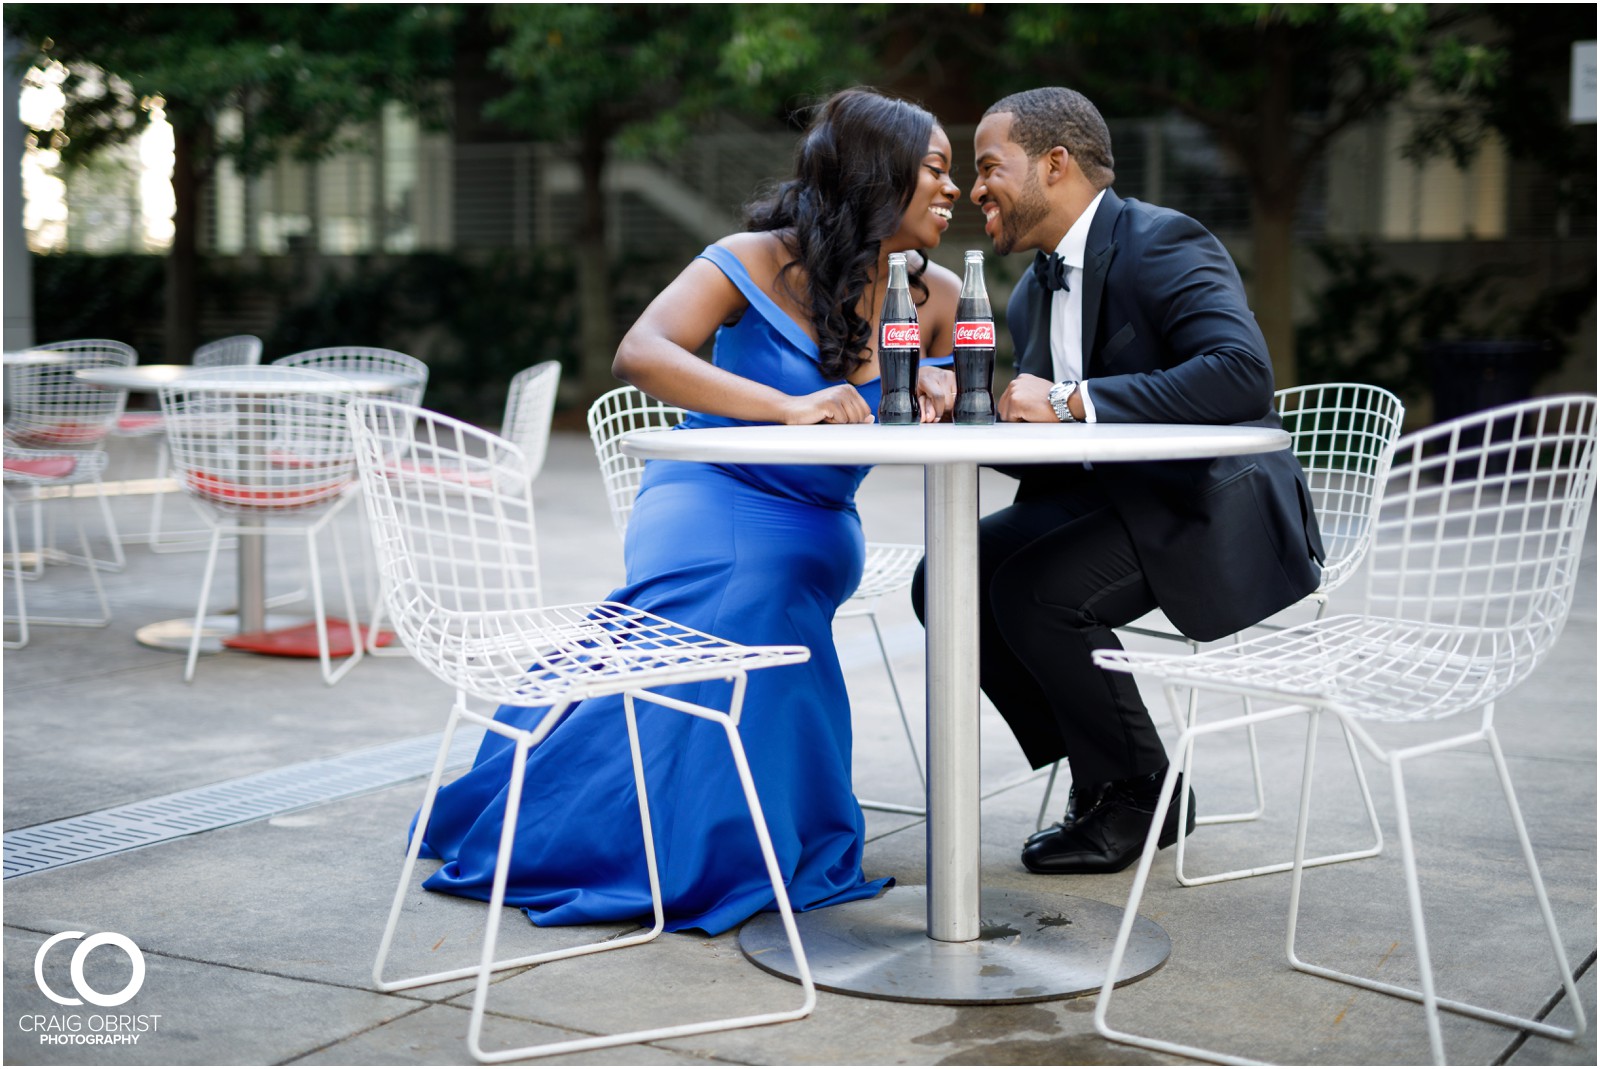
(187, 1012)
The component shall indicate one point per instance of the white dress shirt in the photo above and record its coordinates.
(1066, 309)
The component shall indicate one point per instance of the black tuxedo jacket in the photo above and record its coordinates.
(1169, 338)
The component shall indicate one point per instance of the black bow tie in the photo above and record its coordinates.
(1050, 270)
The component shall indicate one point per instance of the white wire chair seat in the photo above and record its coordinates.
(28, 471)
(887, 566)
(459, 555)
(262, 450)
(1478, 537)
(1342, 434)
(1395, 671)
(560, 653)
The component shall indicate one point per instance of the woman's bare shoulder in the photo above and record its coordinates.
(762, 253)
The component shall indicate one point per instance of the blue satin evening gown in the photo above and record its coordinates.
(759, 554)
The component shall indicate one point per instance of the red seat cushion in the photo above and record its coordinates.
(216, 488)
(42, 467)
(140, 423)
(67, 432)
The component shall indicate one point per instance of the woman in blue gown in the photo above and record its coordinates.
(755, 554)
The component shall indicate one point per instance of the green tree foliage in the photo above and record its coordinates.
(607, 78)
(302, 76)
(1273, 83)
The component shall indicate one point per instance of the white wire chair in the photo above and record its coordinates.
(1470, 576)
(240, 350)
(888, 566)
(49, 408)
(530, 408)
(451, 511)
(28, 471)
(1343, 434)
(264, 451)
(356, 361)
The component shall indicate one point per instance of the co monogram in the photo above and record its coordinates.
(79, 956)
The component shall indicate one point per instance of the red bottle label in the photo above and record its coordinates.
(978, 334)
(901, 336)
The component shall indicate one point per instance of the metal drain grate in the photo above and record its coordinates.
(65, 842)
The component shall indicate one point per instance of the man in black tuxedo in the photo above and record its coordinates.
(1131, 314)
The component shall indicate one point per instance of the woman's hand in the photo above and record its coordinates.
(836, 404)
(936, 393)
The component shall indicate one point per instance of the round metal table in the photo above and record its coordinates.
(950, 942)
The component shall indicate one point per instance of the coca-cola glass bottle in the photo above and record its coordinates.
(899, 349)
(974, 347)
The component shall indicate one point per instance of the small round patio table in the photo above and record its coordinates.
(951, 941)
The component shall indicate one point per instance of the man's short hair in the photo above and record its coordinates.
(1041, 119)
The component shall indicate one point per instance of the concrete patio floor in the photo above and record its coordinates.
(258, 937)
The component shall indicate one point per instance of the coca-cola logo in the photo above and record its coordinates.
(975, 335)
(901, 336)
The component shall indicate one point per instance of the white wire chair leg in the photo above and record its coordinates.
(905, 724)
(14, 559)
(205, 598)
(1141, 878)
(1282, 866)
(23, 621)
(729, 722)
(173, 541)
(330, 675)
(1215, 818)
(375, 628)
(1428, 997)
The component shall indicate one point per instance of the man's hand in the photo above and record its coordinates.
(1027, 400)
(936, 393)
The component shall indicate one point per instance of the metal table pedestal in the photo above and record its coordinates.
(1032, 946)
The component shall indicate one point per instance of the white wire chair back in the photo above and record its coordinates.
(260, 439)
(613, 416)
(1480, 533)
(530, 407)
(452, 517)
(1343, 434)
(355, 361)
(241, 350)
(48, 407)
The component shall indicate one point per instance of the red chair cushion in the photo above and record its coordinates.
(216, 488)
(42, 467)
(140, 423)
(67, 432)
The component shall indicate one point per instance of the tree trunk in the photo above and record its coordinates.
(598, 343)
(1272, 284)
(181, 326)
(1275, 180)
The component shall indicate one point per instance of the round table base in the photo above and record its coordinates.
(174, 635)
(1034, 946)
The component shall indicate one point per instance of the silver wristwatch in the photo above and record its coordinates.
(1058, 400)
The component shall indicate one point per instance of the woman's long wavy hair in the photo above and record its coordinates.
(855, 172)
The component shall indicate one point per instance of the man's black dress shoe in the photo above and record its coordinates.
(1081, 801)
(1109, 837)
